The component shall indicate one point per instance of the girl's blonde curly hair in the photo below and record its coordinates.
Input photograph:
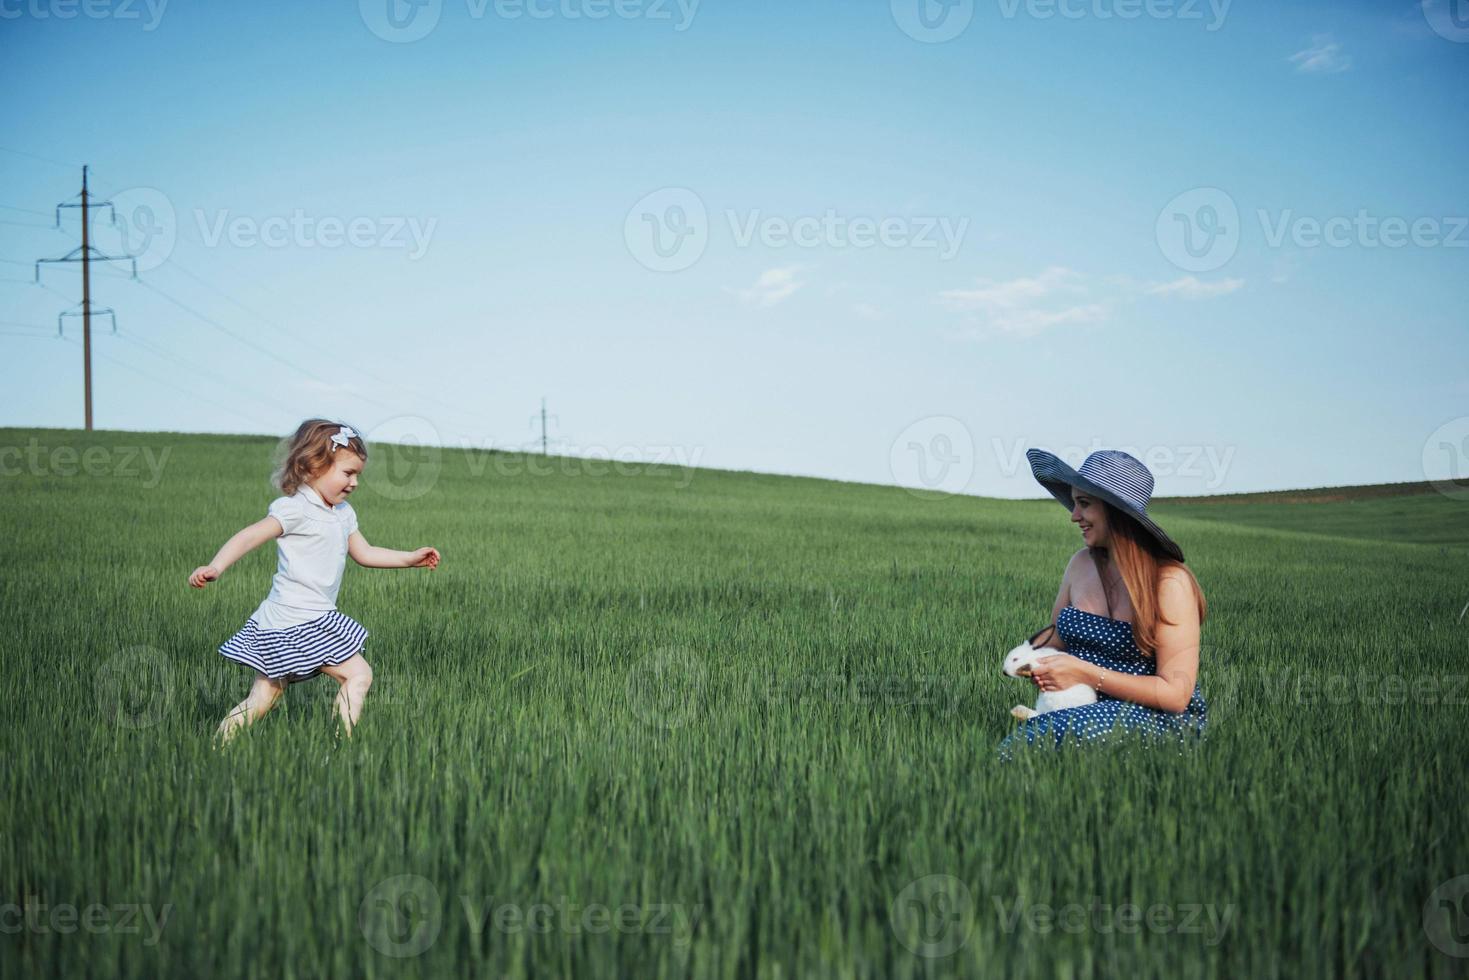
(310, 451)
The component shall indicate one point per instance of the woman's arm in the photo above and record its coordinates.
(245, 540)
(1177, 658)
(367, 556)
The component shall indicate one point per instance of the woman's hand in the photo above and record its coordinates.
(424, 558)
(203, 575)
(1061, 671)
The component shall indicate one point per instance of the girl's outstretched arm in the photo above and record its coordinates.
(245, 540)
(367, 556)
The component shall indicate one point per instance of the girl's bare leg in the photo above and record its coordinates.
(355, 678)
(262, 697)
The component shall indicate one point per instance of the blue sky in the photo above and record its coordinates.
(1098, 223)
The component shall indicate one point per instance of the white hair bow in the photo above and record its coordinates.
(343, 437)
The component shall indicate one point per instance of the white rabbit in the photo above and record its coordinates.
(1018, 663)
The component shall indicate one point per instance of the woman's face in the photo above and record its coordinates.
(1090, 514)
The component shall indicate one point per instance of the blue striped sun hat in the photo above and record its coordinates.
(1107, 474)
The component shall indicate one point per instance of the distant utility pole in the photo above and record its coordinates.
(85, 255)
(544, 451)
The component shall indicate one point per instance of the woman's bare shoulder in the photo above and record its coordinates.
(1179, 579)
(1069, 576)
(1176, 593)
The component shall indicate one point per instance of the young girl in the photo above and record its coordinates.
(297, 633)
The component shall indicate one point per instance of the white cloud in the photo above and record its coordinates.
(1029, 304)
(1014, 294)
(1324, 56)
(1059, 296)
(867, 311)
(772, 287)
(1192, 287)
(1027, 322)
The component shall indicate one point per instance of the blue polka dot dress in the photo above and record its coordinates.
(1107, 643)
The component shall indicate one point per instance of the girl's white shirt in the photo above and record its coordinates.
(313, 555)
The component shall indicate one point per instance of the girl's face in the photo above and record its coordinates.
(1091, 515)
(338, 480)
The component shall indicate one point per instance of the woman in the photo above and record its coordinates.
(1142, 655)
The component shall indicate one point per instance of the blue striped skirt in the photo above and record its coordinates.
(297, 653)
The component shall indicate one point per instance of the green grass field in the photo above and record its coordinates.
(692, 723)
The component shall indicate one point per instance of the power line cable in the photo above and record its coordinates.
(27, 224)
(197, 369)
(394, 409)
(193, 397)
(166, 355)
(37, 156)
(246, 341)
(12, 207)
(209, 321)
(180, 361)
(298, 337)
(176, 358)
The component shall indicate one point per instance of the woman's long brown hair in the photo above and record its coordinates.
(1140, 559)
